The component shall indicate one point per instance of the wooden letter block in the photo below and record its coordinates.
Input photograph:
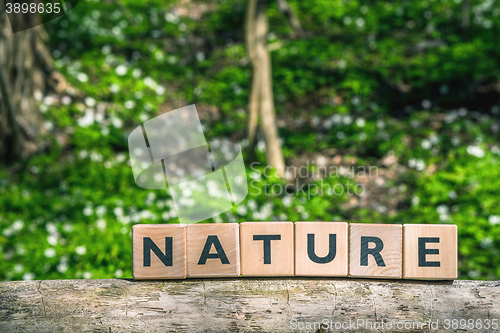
(266, 248)
(430, 251)
(321, 249)
(375, 250)
(213, 250)
(159, 251)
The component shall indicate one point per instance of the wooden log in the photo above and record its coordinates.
(240, 305)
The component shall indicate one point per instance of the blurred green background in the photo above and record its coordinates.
(411, 87)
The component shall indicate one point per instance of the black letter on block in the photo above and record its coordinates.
(149, 246)
(331, 252)
(205, 254)
(375, 252)
(267, 245)
(422, 252)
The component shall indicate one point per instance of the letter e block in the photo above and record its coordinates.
(159, 251)
(321, 249)
(430, 251)
(213, 250)
(375, 250)
(266, 248)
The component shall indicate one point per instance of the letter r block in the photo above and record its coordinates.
(266, 248)
(213, 250)
(159, 251)
(321, 249)
(376, 250)
(430, 251)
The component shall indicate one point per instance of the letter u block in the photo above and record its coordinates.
(159, 251)
(321, 249)
(375, 250)
(266, 248)
(430, 251)
(213, 250)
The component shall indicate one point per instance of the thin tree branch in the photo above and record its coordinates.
(255, 90)
(126, 12)
(465, 15)
(284, 7)
(274, 154)
(250, 29)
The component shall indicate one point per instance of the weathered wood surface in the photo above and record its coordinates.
(237, 305)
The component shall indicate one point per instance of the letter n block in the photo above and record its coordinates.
(430, 251)
(321, 249)
(213, 250)
(159, 251)
(375, 250)
(266, 248)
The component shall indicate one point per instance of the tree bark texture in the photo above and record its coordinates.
(239, 305)
(26, 69)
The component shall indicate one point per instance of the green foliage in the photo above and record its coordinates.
(369, 80)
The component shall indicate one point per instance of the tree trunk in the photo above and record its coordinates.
(26, 69)
(261, 96)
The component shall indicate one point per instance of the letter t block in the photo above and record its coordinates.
(267, 248)
(159, 251)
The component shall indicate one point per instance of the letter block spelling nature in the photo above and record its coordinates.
(159, 251)
(321, 249)
(412, 251)
(213, 250)
(266, 248)
(376, 250)
(430, 251)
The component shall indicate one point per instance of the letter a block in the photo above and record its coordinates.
(375, 250)
(213, 250)
(159, 251)
(430, 251)
(321, 249)
(266, 248)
